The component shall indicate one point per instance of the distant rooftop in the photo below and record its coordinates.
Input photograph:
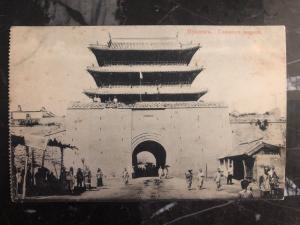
(43, 110)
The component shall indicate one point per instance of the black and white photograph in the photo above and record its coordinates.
(147, 113)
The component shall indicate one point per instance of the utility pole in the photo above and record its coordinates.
(25, 174)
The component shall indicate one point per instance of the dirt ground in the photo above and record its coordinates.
(148, 188)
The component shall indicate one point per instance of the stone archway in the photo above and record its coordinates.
(148, 169)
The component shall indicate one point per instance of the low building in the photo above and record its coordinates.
(249, 160)
(29, 117)
(258, 141)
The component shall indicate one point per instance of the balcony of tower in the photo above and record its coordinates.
(131, 94)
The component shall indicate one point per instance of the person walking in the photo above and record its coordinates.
(79, 178)
(265, 183)
(160, 172)
(189, 179)
(229, 175)
(19, 182)
(125, 176)
(218, 179)
(63, 178)
(200, 179)
(166, 172)
(274, 182)
(88, 178)
(70, 180)
(261, 186)
(99, 177)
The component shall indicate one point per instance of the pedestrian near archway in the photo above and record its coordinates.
(189, 179)
(200, 179)
(125, 176)
(218, 179)
(99, 177)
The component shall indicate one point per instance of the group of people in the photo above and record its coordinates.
(80, 180)
(45, 181)
(84, 178)
(145, 170)
(245, 193)
(42, 181)
(100, 175)
(163, 172)
(199, 178)
(269, 183)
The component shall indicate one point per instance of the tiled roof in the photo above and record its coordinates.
(144, 45)
(145, 68)
(249, 148)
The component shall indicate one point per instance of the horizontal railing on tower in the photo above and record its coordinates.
(143, 85)
(152, 62)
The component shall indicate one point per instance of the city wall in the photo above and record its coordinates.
(193, 138)
(245, 128)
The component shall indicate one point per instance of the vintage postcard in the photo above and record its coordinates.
(147, 112)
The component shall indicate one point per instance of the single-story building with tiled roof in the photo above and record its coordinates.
(248, 160)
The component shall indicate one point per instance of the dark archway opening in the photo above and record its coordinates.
(238, 169)
(143, 165)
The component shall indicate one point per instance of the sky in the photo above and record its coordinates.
(244, 67)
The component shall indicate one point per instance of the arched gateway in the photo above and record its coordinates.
(144, 169)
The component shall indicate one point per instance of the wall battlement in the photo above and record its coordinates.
(145, 105)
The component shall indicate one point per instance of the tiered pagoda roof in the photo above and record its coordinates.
(152, 74)
(143, 51)
(133, 70)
